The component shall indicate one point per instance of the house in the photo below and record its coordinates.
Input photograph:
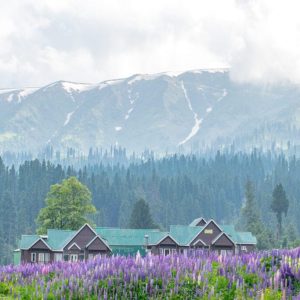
(85, 243)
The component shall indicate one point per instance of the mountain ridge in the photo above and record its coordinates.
(163, 111)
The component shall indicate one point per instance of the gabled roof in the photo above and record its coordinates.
(167, 235)
(185, 234)
(102, 240)
(28, 240)
(77, 232)
(57, 239)
(197, 241)
(209, 222)
(239, 237)
(196, 221)
(74, 244)
(220, 235)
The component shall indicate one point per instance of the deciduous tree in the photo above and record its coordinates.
(68, 206)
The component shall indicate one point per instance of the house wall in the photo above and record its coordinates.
(224, 241)
(98, 245)
(82, 238)
(220, 248)
(26, 255)
(166, 243)
(207, 238)
(249, 248)
(199, 245)
(39, 245)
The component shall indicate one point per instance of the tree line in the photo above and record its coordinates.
(176, 188)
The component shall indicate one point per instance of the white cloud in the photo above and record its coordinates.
(90, 41)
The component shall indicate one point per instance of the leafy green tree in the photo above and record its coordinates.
(67, 206)
(279, 205)
(141, 216)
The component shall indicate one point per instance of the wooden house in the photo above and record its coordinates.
(87, 242)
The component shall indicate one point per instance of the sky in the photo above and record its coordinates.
(95, 40)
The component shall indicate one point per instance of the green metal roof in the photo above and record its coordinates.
(184, 234)
(117, 237)
(129, 237)
(58, 238)
(28, 240)
(237, 236)
(246, 238)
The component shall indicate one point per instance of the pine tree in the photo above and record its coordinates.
(279, 205)
(251, 221)
(250, 214)
(141, 216)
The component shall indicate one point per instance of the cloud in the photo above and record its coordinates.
(90, 41)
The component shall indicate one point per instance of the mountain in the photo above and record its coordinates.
(162, 112)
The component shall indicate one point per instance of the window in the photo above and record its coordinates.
(244, 248)
(66, 257)
(91, 256)
(208, 231)
(223, 252)
(41, 257)
(81, 257)
(33, 257)
(47, 257)
(174, 251)
(73, 257)
(166, 251)
(58, 257)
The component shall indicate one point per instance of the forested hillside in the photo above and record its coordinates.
(177, 188)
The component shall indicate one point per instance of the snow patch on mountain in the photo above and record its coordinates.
(209, 109)
(139, 77)
(25, 93)
(68, 118)
(107, 83)
(210, 70)
(118, 128)
(77, 87)
(128, 113)
(10, 98)
(198, 121)
(223, 95)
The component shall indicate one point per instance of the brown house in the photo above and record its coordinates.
(88, 242)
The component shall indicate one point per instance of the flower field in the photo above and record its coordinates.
(201, 275)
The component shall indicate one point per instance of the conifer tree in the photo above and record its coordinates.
(141, 216)
(251, 220)
(279, 205)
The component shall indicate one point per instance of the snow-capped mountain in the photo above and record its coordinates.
(162, 112)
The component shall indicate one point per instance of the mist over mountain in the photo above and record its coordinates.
(161, 112)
